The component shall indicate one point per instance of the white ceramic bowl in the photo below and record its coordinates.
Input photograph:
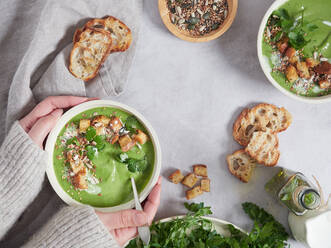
(266, 67)
(221, 226)
(81, 108)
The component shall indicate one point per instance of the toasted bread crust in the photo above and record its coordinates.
(81, 48)
(109, 23)
(238, 133)
(192, 193)
(190, 180)
(245, 165)
(205, 184)
(176, 177)
(200, 170)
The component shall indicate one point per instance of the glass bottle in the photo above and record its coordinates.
(294, 191)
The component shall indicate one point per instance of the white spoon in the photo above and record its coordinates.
(144, 232)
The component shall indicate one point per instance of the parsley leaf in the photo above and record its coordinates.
(90, 133)
(91, 151)
(131, 124)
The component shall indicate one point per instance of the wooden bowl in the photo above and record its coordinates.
(164, 13)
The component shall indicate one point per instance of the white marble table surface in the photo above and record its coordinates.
(192, 93)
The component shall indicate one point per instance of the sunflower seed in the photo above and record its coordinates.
(193, 15)
(214, 7)
(225, 13)
(206, 3)
(179, 10)
(199, 11)
(202, 28)
(181, 21)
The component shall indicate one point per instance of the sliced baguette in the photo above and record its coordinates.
(88, 54)
(274, 119)
(120, 33)
(245, 125)
(263, 147)
(241, 165)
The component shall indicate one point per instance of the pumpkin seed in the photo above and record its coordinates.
(179, 10)
(190, 26)
(215, 26)
(206, 15)
(193, 20)
(173, 10)
(186, 5)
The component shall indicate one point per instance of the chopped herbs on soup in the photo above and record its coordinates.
(296, 41)
(98, 151)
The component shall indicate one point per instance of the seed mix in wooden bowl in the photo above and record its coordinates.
(198, 17)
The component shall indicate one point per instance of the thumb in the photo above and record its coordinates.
(125, 218)
(43, 126)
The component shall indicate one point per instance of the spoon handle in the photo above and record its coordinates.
(144, 232)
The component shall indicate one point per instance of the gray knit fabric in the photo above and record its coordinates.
(22, 171)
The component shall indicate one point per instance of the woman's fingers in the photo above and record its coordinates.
(47, 106)
(125, 218)
(153, 201)
(123, 235)
(43, 126)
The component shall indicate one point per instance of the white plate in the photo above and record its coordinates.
(79, 109)
(221, 226)
(266, 67)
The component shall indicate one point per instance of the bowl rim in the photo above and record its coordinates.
(264, 64)
(67, 116)
(163, 11)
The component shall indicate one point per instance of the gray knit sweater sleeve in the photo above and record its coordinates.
(21, 175)
(22, 171)
(73, 227)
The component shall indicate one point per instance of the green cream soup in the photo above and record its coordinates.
(96, 172)
(308, 24)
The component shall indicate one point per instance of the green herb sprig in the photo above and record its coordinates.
(195, 231)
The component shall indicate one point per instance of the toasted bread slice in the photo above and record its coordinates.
(241, 165)
(272, 118)
(200, 170)
(120, 33)
(263, 147)
(190, 180)
(176, 177)
(192, 193)
(89, 53)
(245, 125)
(205, 184)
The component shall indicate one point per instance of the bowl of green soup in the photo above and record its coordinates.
(294, 48)
(94, 150)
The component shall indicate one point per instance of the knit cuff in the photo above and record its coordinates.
(73, 227)
(21, 174)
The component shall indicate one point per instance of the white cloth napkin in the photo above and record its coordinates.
(48, 26)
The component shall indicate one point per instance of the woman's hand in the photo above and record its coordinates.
(40, 121)
(123, 224)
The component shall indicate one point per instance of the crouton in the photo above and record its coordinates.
(114, 139)
(141, 137)
(76, 165)
(100, 120)
(323, 68)
(176, 177)
(324, 84)
(79, 181)
(311, 62)
(115, 124)
(205, 184)
(291, 54)
(190, 180)
(200, 170)
(282, 45)
(84, 124)
(100, 130)
(192, 193)
(126, 143)
(291, 74)
(302, 70)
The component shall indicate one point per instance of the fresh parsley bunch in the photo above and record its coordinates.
(195, 231)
